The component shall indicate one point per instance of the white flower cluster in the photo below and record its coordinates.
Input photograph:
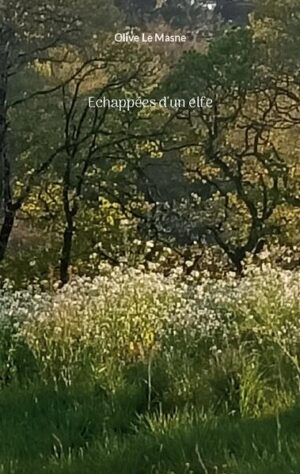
(126, 314)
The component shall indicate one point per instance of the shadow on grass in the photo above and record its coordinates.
(87, 432)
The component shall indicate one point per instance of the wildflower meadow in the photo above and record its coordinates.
(136, 372)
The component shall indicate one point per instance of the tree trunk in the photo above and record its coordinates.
(66, 254)
(6, 229)
(8, 210)
(3, 108)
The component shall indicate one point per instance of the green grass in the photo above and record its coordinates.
(86, 431)
(114, 376)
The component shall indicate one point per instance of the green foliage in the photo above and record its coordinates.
(240, 147)
(227, 64)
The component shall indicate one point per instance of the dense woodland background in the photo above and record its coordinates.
(80, 186)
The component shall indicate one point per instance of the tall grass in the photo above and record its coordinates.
(135, 372)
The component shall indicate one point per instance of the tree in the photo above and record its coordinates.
(31, 35)
(94, 138)
(238, 152)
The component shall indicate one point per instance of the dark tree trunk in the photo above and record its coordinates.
(3, 107)
(6, 229)
(70, 212)
(66, 254)
(8, 209)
